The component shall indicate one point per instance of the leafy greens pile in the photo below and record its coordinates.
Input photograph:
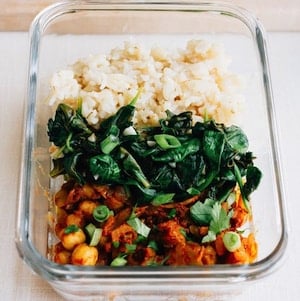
(168, 162)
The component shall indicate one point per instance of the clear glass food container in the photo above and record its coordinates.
(69, 30)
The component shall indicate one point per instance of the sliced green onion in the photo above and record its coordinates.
(101, 213)
(153, 245)
(130, 248)
(90, 229)
(109, 143)
(166, 141)
(94, 234)
(193, 191)
(232, 241)
(140, 239)
(119, 261)
(162, 199)
(139, 226)
(96, 237)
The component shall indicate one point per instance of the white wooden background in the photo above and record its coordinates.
(275, 14)
(16, 280)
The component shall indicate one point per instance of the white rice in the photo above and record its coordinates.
(195, 79)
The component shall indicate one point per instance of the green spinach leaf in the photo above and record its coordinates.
(104, 169)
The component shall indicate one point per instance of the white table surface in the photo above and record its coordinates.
(17, 281)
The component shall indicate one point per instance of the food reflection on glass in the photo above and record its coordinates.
(155, 172)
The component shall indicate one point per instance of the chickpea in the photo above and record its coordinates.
(61, 197)
(61, 215)
(63, 257)
(59, 230)
(87, 207)
(88, 191)
(71, 240)
(75, 219)
(84, 255)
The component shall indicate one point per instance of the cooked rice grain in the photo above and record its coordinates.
(195, 78)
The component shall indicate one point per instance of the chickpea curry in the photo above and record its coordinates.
(173, 194)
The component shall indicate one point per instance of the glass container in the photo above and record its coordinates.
(69, 30)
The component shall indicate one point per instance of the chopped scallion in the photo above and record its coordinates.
(101, 213)
(153, 245)
(109, 143)
(119, 261)
(130, 248)
(90, 228)
(232, 241)
(166, 141)
(193, 191)
(139, 226)
(96, 237)
(161, 199)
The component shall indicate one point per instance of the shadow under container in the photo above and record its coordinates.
(69, 30)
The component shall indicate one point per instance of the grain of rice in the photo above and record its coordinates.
(195, 78)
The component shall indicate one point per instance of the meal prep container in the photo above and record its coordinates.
(70, 30)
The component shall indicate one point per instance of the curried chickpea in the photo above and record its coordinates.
(75, 219)
(84, 255)
(71, 240)
(59, 230)
(63, 257)
(87, 207)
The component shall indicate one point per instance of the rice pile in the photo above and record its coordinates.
(195, 79)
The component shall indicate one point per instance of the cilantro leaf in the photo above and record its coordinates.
(211, 236)
(220, 221)
(71, 229)
(201, 213)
